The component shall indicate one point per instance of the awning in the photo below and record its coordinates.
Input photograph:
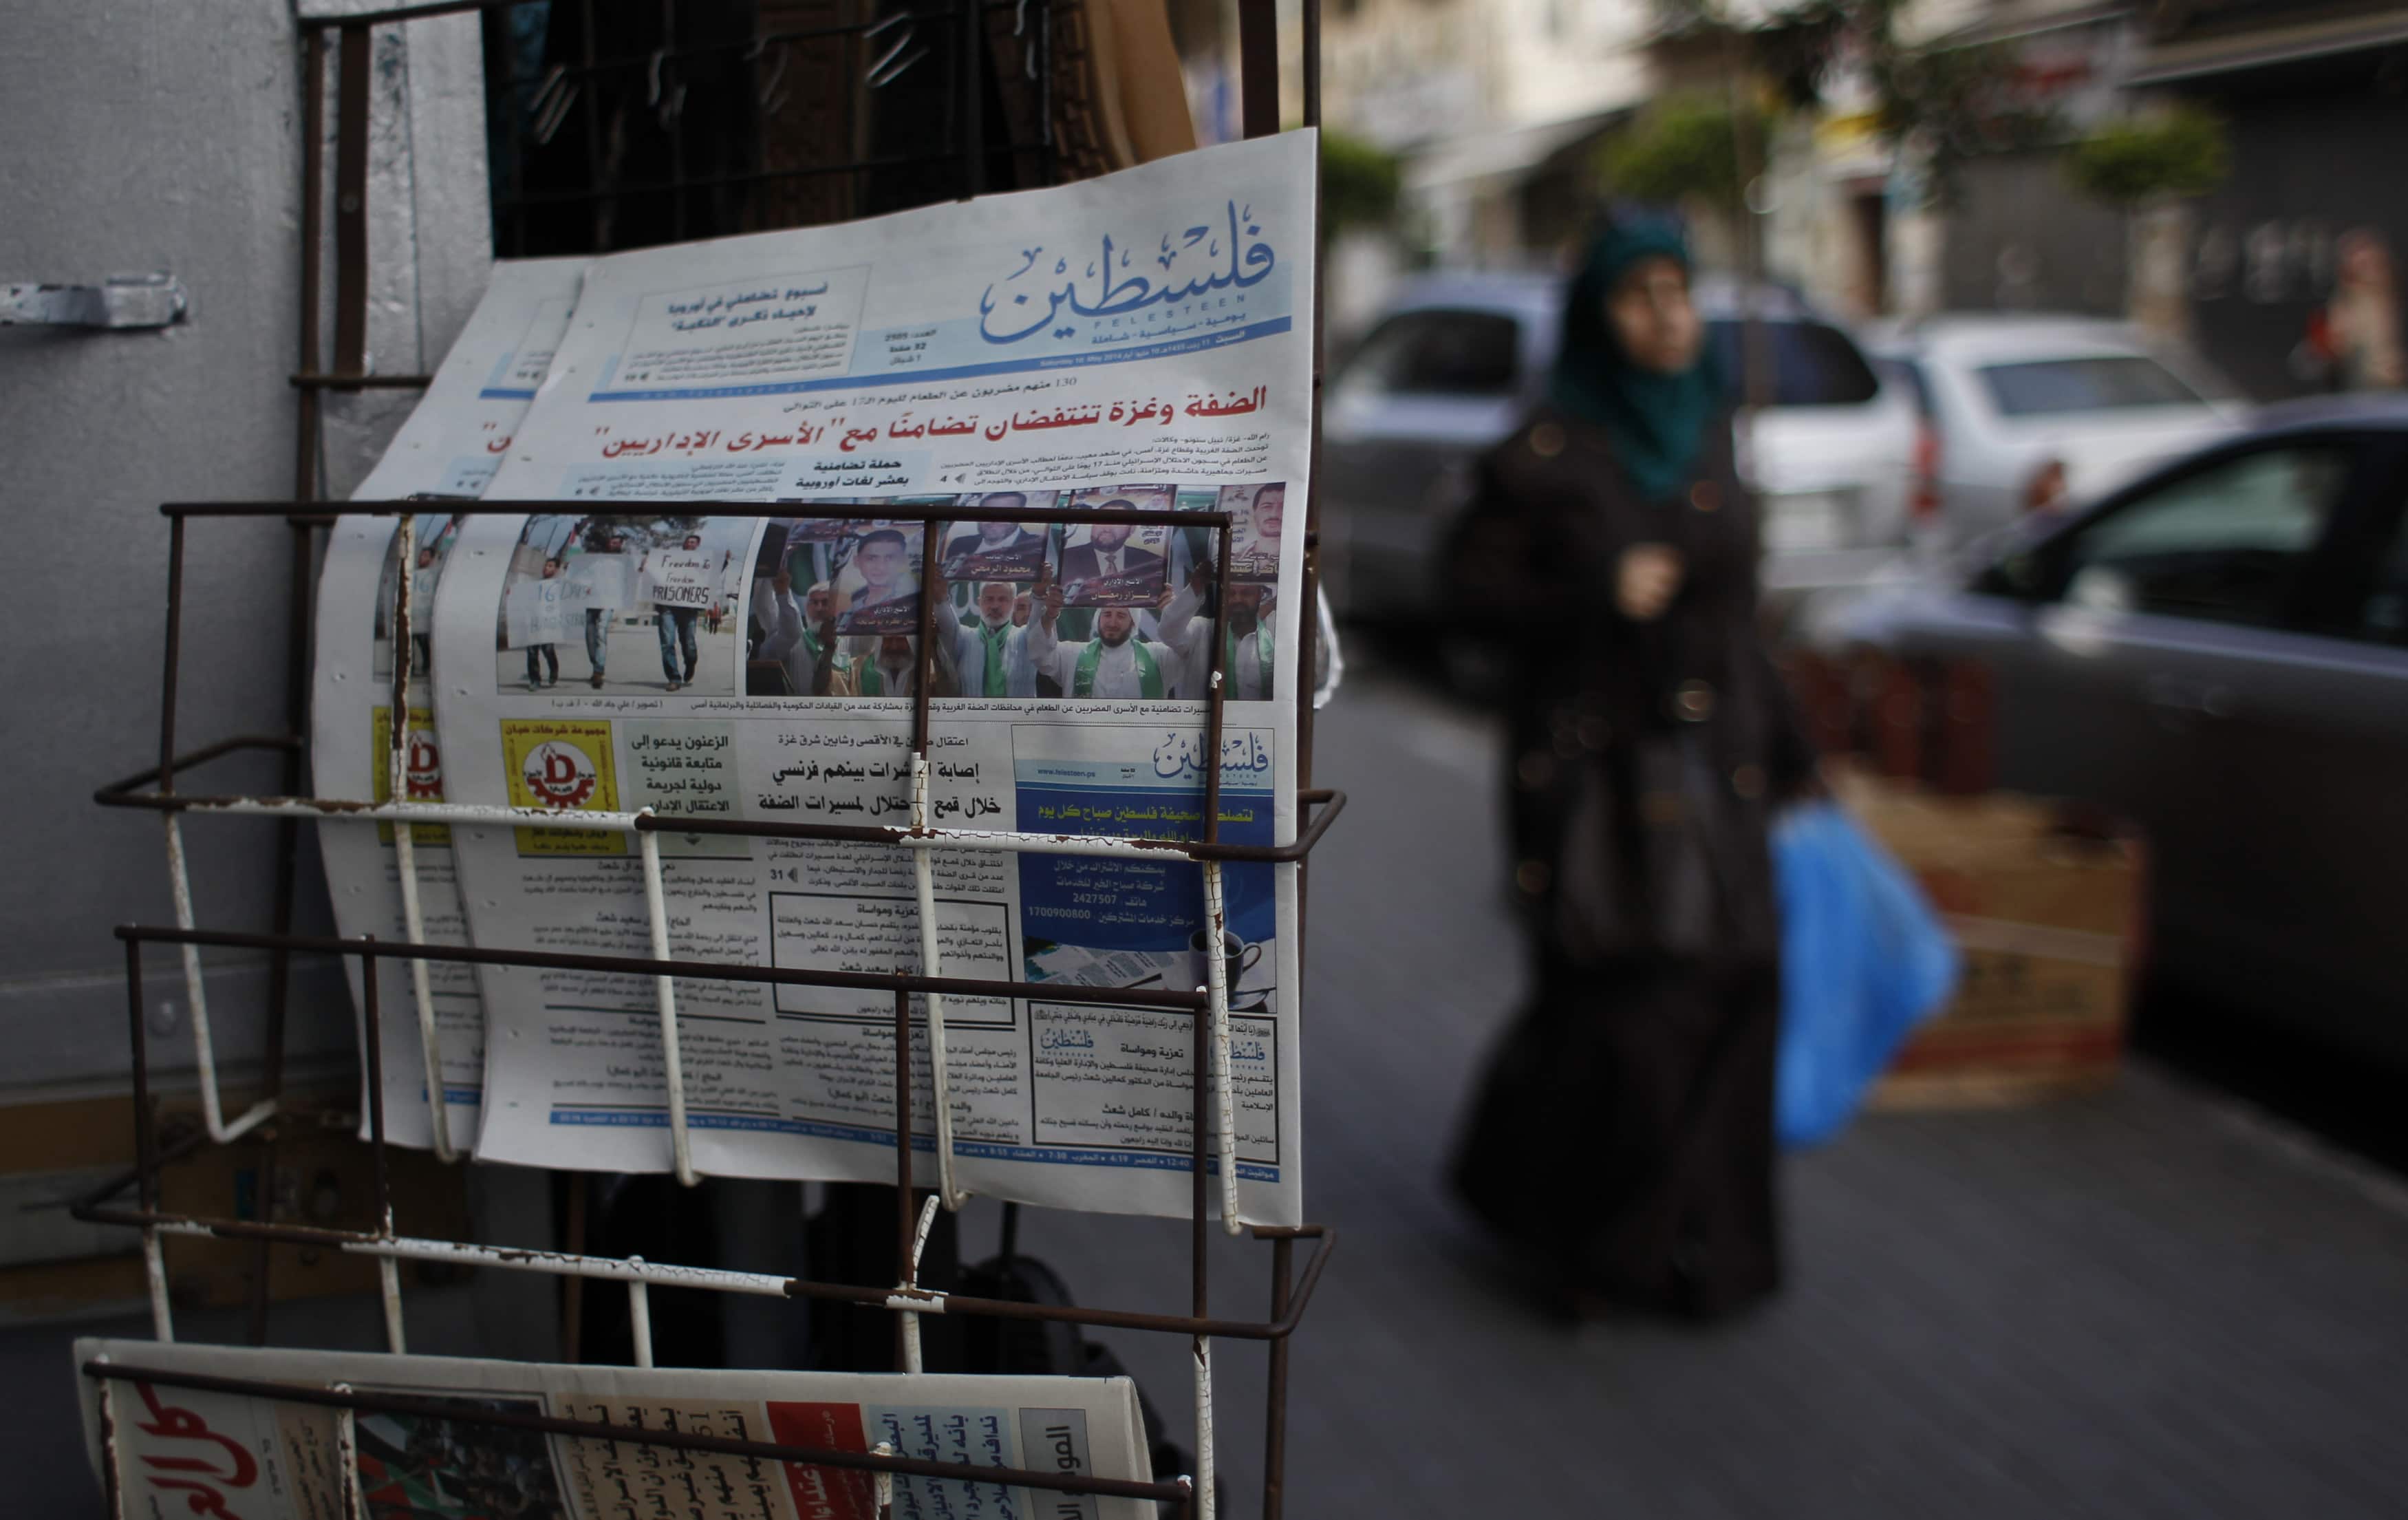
(2261, 47)
(1509, 152)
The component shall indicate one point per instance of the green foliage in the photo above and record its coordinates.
(1359, 183)
(1943, 104)
(2181, 152)
(1681, 146)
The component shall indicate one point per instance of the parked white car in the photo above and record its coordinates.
(2024, 412)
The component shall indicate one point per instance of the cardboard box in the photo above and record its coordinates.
(323, 1174)
(2048, 919)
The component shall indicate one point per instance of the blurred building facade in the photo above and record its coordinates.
(1497, 110)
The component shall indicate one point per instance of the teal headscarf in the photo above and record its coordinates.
(1656, 423)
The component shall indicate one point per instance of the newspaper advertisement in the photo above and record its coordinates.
(1141, 340)
(185, 1451)
(450, 446)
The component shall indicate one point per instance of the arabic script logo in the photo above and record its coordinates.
(560, 775)
(1222, 252)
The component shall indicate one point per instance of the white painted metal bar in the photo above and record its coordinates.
(1216, 982)
(910, 1283)
(558, 1263)
(1204, 1495)
(923, 874)
(640, 1315)
(180, 882)
(472, 813)
(154, 1274)
(389, 1283)
(884, 1482)
(405, 840)
(665, 993)
(439, 1105)
(347, 1457)
(108, 1428)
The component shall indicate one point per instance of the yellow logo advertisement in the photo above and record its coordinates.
(422, 774)
(560, 766)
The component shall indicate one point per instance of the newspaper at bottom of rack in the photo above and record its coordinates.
(180, 1450)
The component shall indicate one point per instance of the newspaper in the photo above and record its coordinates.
(183, 1450)
(450, 447)
(1142, 336)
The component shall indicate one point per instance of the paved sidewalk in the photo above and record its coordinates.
(2147, 1303)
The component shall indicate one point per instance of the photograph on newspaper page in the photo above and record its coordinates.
(1151, 326)
(449, 447)
(178, 1450)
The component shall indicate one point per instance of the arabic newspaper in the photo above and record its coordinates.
(450, 447)
(188, 1450)
(1140, 339)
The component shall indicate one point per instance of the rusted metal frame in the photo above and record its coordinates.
(1275, 1437)
(754, 1284)
(1328, 804)
(552, 960)
(468, 1413)
(113, 793)
(352, 200)
(179, 881)
(382, 1242)
(1258, 66)
(313, 381)
(405, 837)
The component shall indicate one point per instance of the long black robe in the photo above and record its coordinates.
(1623, 1129)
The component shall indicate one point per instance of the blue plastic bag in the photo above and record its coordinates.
(1863, 961)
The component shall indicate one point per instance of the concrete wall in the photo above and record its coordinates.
(168, 137)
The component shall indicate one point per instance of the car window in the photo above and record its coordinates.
(1458, 354)
(2384, 618)
(2226, 543)
(1814, 365)
(1907, 375)
(2053, 387)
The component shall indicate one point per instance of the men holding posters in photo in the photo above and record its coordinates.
(601, 539)
(790, 630)
(1247, 637)
(1117, 664)
(1106, 570)
(676, 608)
(884, 599)
(547, 651)
(991, 651)
(1001, 551)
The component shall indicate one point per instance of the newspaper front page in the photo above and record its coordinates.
(450, 447)
(182, 1450)
(1137, 342)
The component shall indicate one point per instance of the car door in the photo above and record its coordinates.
(1428, 390)
(2182, 643)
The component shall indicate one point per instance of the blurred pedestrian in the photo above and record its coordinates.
(1622, 1133)
(2361, 324)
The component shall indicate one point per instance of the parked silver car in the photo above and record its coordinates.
(1460, 357)
(2220, 652)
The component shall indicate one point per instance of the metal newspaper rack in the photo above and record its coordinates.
(1213, 1134)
